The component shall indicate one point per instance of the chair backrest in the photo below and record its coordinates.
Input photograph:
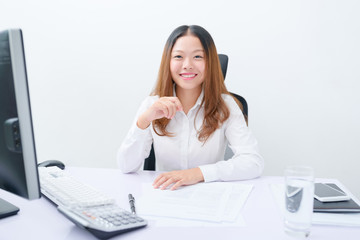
(224, 60)
(149, 163)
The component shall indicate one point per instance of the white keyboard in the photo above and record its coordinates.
(85, 206)
(64, 190)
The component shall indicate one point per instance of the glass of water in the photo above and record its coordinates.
(299, 200)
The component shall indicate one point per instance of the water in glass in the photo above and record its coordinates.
(299, 202)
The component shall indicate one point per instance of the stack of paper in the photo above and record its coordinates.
(211, 202)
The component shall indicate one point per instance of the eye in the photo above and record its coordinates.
(198, 57)
(177, 56)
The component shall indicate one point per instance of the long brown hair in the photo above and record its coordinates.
(215, 110)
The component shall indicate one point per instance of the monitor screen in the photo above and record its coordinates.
(18, 165)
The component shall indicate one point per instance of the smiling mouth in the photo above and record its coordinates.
(188, 76)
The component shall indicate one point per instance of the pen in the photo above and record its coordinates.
(132, 204)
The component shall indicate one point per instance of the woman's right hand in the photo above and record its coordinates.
(163, 107)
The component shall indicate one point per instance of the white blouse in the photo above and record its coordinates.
(184, 150)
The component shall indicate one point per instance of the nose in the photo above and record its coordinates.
(187, 64)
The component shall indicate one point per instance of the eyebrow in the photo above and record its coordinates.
(197, 50)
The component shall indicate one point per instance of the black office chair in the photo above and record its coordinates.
(149, 163)
(224, 59)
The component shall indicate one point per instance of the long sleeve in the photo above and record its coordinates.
(183, 150)
(246, 163)
(137, 143)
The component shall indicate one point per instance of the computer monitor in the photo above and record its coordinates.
(18, 164)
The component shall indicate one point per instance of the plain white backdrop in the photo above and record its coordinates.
(91, 63)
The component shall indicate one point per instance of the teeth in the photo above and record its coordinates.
(188, 76)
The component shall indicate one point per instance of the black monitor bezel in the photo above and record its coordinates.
(24, 115)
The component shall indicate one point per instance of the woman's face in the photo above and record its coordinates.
(187, 64)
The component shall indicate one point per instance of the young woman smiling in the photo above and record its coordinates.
(190, 118)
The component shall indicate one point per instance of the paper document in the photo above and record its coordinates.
(177, 222)
(214, 202)
(336, 219)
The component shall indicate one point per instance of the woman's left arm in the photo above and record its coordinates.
(247, 163)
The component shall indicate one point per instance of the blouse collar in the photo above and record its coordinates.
(198, 101)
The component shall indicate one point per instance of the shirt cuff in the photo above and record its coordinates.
(209, 172)
(138, 132)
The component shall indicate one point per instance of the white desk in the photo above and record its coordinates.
(39, 219)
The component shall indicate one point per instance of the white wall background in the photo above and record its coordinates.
(90, 64)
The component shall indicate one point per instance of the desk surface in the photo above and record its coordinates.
(39, 219)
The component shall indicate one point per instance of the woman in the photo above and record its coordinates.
(191, 117)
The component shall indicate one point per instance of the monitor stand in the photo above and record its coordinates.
(7, 209)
